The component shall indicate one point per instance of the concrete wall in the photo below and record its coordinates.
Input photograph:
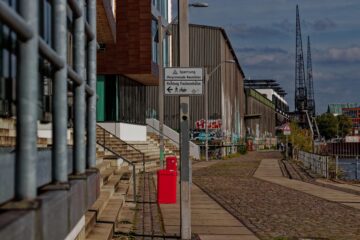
(125, 131)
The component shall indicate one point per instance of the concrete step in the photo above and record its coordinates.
(101, 231)
(126, 218)
(112, 183)
(106, 174)
(90, 221)
(101, 202)
(10, 141)
(111, 210)
(8, 123)
(103, 165)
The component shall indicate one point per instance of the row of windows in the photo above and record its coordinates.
(8, 63)
(120, 99)
(352, 113)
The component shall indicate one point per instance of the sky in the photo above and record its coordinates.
(262, 32)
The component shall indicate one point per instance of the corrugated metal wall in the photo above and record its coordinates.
(208, 48)
(266, 120)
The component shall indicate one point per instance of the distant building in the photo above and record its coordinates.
(266, 107)
(337, 108)
(354, 115)
(260, 115)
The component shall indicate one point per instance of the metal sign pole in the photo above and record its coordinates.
(287, 148)
(161, 92)
(185, 171)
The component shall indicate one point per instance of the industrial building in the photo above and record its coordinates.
(266, 107)
(210, 48)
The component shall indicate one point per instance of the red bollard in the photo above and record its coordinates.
(171, 163)
(166, 180)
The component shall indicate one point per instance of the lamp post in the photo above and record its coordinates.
(207, 78)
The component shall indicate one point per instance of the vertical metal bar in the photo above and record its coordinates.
(161, 92)
(185, 171)
(79, 96)
(336, 166)
(27, 89)
(91, 107)
(206, 116)
(134, 184)
(59, 155)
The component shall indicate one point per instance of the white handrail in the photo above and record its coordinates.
(153, 126)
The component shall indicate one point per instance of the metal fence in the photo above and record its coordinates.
(24, 21)
(343, 149)
(317, 164)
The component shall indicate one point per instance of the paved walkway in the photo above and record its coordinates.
(209, 220)
(269, 170)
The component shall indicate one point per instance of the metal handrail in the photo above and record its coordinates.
(12, 19)
(126, 160)
(123, 143)
(164, 135)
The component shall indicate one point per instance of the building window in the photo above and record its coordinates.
(154, 38)
(120, 99)
(8, 59)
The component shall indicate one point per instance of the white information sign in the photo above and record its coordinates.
(287, 130)
(183, 81)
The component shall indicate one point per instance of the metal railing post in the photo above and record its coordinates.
(134, 183)
(59, 155)
(336, 166)
(27, 89)
(91, 107)
(79, 95)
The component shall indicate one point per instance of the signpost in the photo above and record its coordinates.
(287, 132)
(183, 81)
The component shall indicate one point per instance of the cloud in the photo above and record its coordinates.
(338, 55)
(323, 24)
(285, 25)
(245, 31)
(261, 50)
(319, 25)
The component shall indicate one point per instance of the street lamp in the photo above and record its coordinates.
(207, 78)
(161, 32)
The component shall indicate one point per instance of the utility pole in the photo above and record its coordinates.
(185, 171)
(161, 91)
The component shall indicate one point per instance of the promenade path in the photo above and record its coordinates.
(269, 170)
(254, 191)
(209, 220)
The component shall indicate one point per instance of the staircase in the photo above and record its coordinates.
(114, 210)
(8, 134)
(170, 147)
(111, 212)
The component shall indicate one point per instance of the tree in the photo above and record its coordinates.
(299, 138)
(328, 125)
(331, 126)
(344, 125)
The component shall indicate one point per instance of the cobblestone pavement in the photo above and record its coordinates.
(272, 211)
(148, 217)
